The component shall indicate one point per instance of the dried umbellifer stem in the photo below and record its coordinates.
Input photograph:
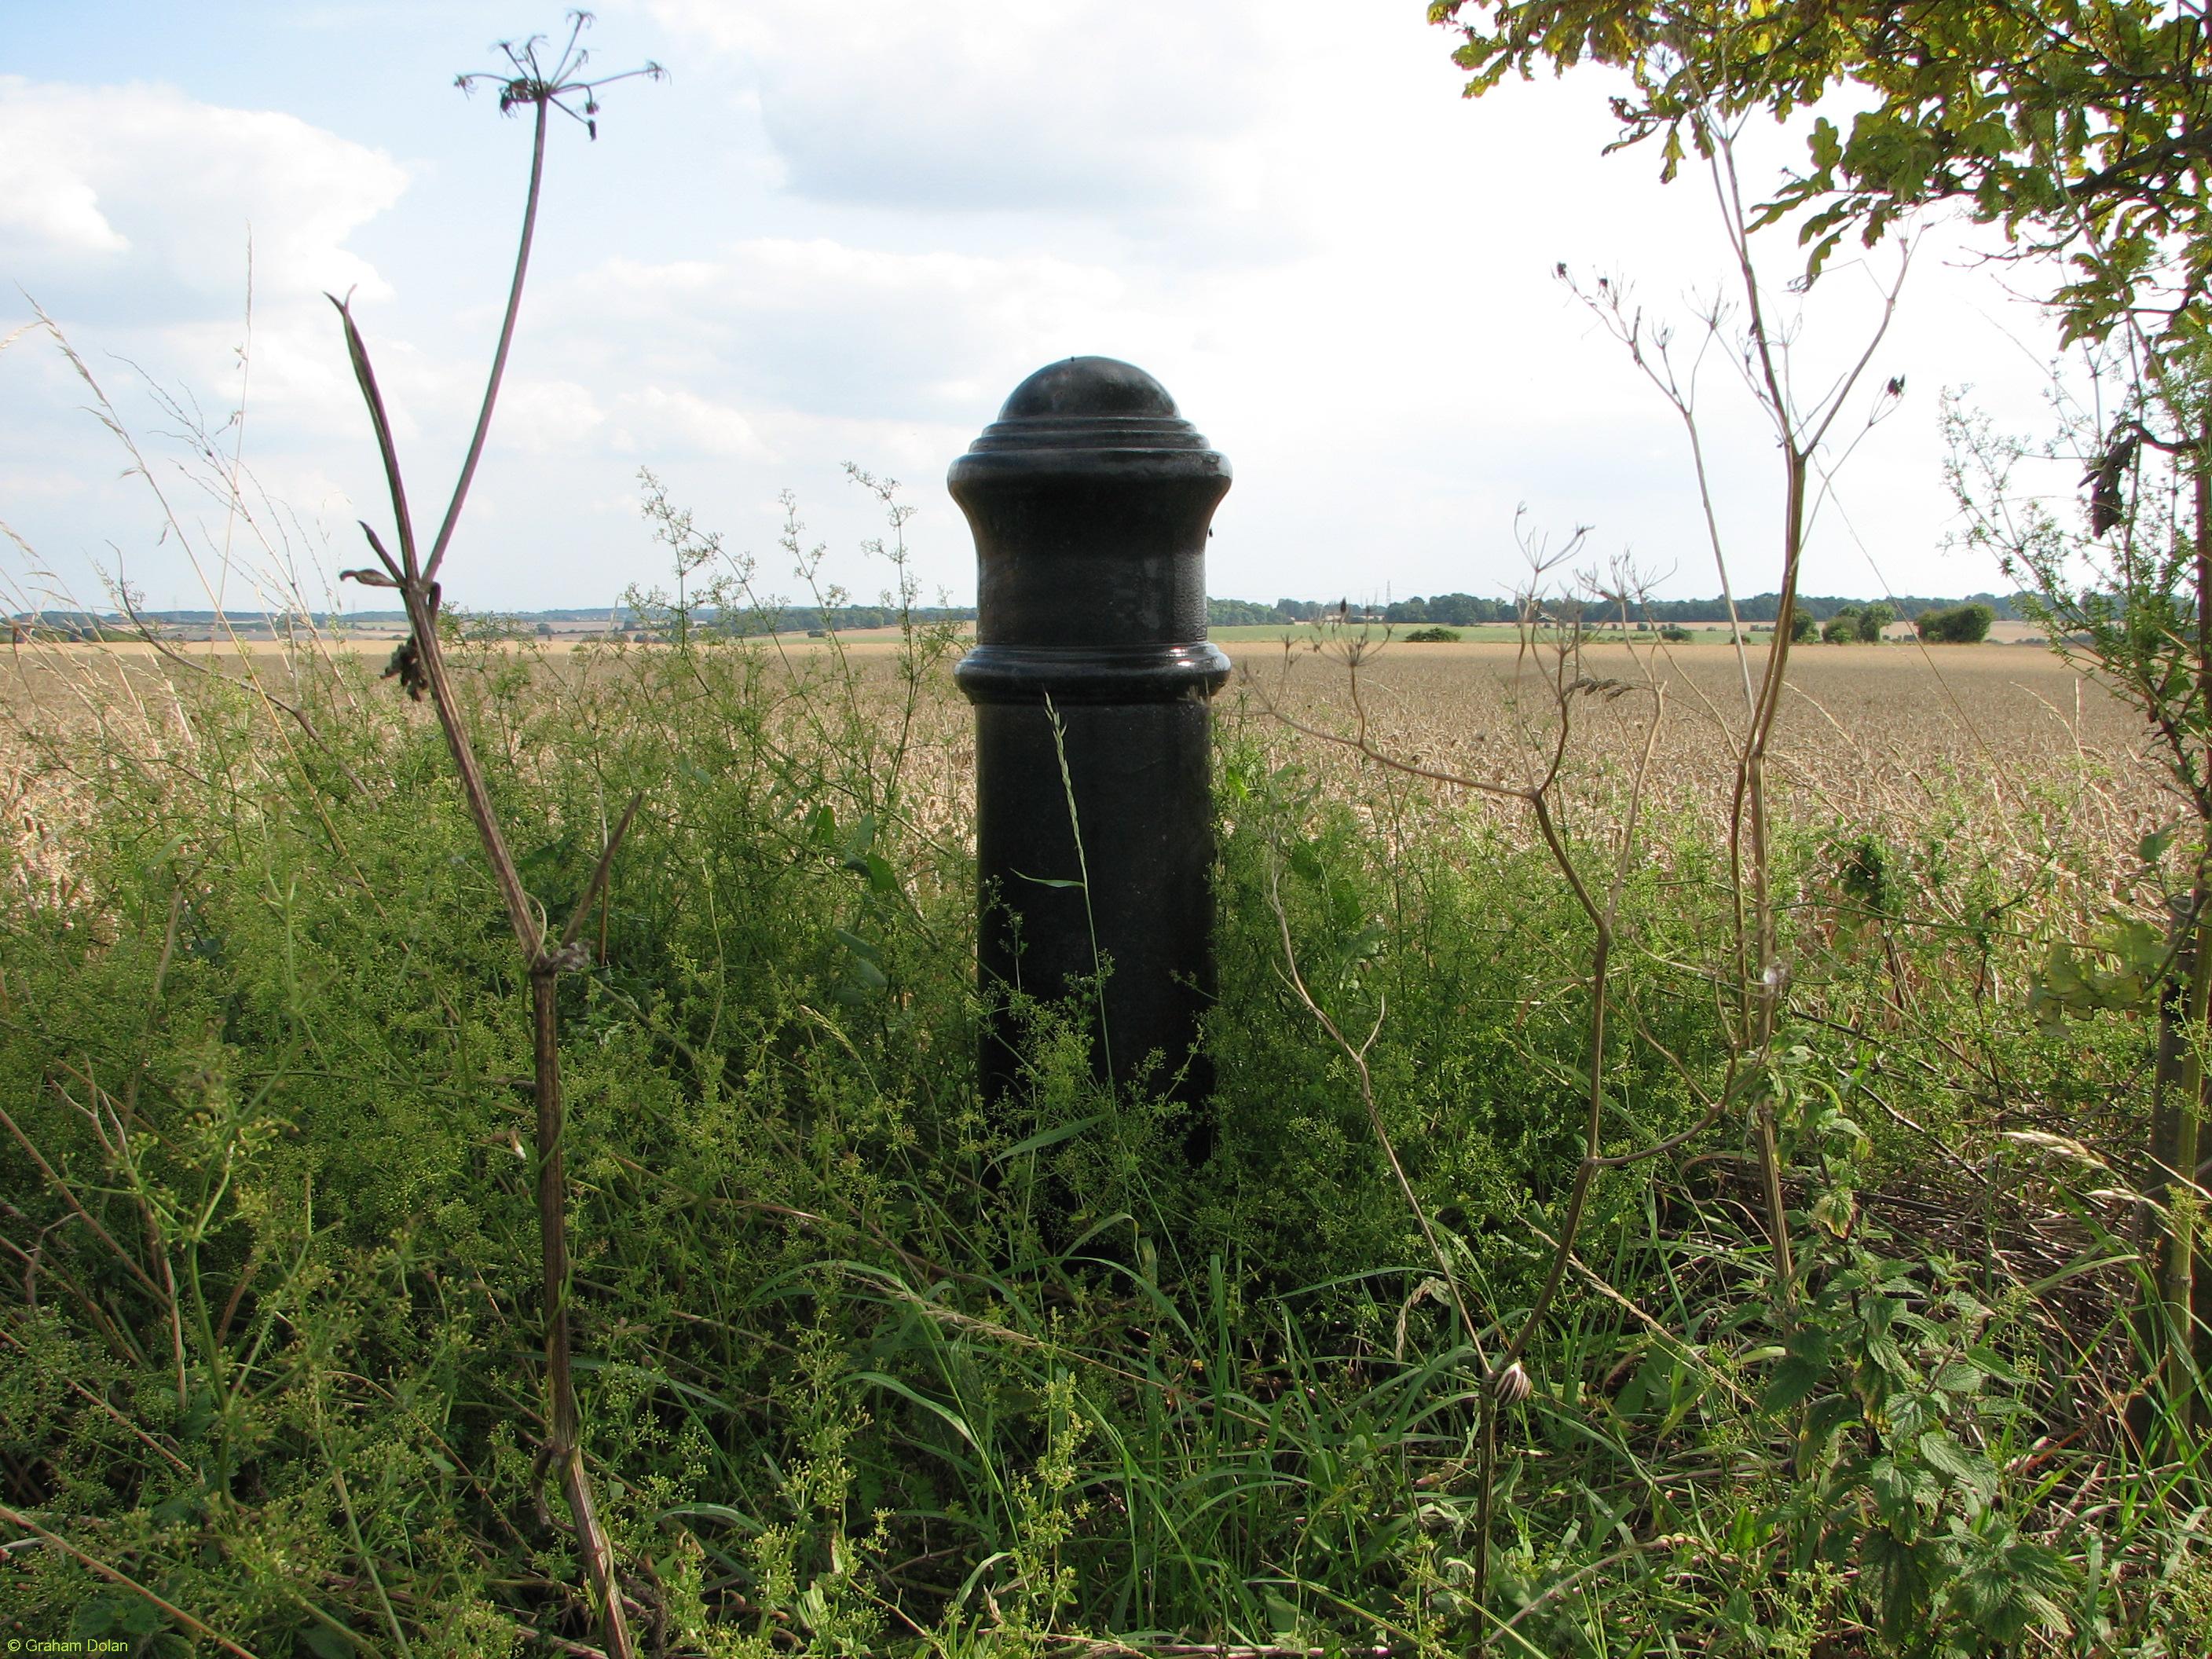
(420, 666)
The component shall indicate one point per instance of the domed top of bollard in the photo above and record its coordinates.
(1088, 386)
(1090, 499)
(1091, 403)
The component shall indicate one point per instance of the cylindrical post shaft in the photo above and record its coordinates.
(1090, 500)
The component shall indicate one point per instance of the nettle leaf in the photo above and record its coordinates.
(1965, 1469)
(1835, 1210)
(1970, 1308)
(1803, 1368)
(1828, 1417)
(1961, 1378)
(1905, 1411)
(1881, 1348)
(1920, 1325)
(2007, 1585)
(1900, 1578)
(1890, 1484)
(1792, 1381)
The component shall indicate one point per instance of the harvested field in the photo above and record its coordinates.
(1889, 737)
(1897, 738)
(2003, 747)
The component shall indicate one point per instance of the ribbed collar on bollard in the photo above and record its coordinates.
(1090, 498)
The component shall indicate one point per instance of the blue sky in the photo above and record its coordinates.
(837, 233)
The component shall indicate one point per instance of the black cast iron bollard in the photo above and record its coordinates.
(1090, 498)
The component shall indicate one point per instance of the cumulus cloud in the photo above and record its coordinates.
(53, 212)
(661, 421)
(157, 191)
(545, 416)
(828, 328)
(128, 212)
(995, 103)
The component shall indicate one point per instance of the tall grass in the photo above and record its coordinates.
(847, 1384)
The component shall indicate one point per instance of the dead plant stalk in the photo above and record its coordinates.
(420, 665)
(1504, 1379)
(1760, 970)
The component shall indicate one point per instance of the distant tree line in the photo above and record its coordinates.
(64, 630)
(753, 620)
(1450, 610)
(790, 618)
(1767, 607)
(1466, 611)
(1443, 609)
(815, 619)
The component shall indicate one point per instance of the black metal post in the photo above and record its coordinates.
(1090, 499)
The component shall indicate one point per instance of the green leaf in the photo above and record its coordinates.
(1892, 1488)
(1903, 1412)
(1051, 1137)
(1792, 1381)
(1819, 255)
(858, 946)
(2009, 1585)
(1827, 1418)
(1826, 147)
(958, 1424)
(1961, 1378)
(1968, 1470)
(1881, 1348)
(722, 1512)
(1803, 1366)
(1903, 1573)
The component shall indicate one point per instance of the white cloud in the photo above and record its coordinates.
(657, 422)
(821, 328)
(546, 416)
(995, 103)
(55, 210)
(135, 235)
(175, 185)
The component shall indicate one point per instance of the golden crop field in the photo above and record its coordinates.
(1991, 740)
(1897, 738)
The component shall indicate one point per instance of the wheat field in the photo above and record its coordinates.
(1895, 738)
